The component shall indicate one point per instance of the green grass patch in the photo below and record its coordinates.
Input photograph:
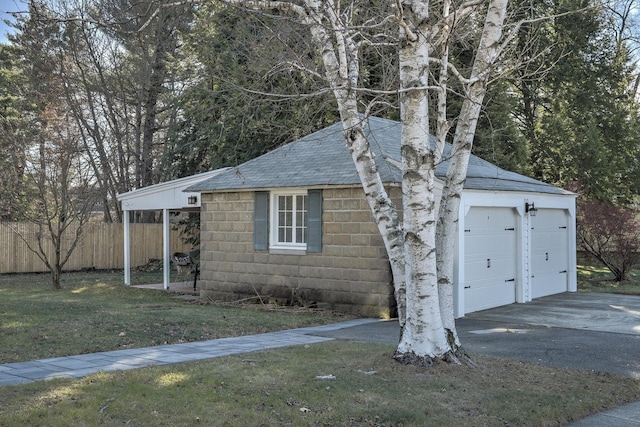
(279, 387)
(596, 278)
(96, 312)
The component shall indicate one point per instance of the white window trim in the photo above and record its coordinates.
(275, 246)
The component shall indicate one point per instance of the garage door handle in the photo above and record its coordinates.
(467, 287)
(563, 271)
(510, 280)
(546, 254)
(488, 263)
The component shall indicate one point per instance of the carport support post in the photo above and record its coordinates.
(127, 250)
(166, 269)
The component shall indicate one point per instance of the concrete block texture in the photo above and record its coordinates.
(351, 274)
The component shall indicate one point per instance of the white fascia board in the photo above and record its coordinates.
(165, 195)
(516, 199)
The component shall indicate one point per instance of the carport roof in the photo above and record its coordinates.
(322, 159)
(166, 195)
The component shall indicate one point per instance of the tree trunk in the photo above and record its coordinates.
(425, 303)
(422, 337)
(55, 278)
(447, 226)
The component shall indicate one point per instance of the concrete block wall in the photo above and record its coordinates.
(351, 274)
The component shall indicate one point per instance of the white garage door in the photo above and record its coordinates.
(490, 251)
(549, 252)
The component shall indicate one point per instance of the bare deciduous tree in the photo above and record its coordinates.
(116, 80)
(59, 193)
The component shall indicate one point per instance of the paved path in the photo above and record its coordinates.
(86, 364)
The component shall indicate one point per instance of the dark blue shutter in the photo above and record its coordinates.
(314, 221)
(261, 221)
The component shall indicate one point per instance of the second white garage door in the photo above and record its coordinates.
(549, 252)
(490, 258)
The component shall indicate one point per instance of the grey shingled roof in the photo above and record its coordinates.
(322, 159)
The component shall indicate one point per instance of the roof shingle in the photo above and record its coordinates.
(323, 159)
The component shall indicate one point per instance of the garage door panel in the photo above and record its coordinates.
(549, 261)
(550, 284)
(549, 257)
(476, 241)
(490, 295)
(476, 271)
(490, 258)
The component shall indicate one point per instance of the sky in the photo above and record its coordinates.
(7, 6)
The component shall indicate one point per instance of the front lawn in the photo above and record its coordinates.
(279, 387)
(96, 312)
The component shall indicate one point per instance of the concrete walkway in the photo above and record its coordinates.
(623, 416)
(86, 364)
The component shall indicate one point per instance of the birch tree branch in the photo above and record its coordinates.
(405, 27)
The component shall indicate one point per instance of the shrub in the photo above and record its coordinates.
(610, 234)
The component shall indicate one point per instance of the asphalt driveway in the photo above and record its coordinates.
(599, 332)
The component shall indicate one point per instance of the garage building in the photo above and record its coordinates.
(293, 225)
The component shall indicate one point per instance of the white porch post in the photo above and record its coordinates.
(166, 249)
(127, 250)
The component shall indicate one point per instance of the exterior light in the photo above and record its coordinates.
(192, 200)
(530, 208)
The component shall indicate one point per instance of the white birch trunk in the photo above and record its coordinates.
(442, 124)
(384, 211)
(423, 337)
(447, 226)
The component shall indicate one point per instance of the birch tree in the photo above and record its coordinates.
(420, 248)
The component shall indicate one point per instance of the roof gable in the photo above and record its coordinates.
(322, 159)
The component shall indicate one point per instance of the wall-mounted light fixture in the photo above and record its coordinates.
(192, 200)
(530, 208)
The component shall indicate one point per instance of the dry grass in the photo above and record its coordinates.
(96, 312)
(595, 278)
(279, 387)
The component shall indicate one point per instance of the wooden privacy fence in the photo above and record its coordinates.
(101, 246)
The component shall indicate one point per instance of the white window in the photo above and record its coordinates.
(289, 220)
